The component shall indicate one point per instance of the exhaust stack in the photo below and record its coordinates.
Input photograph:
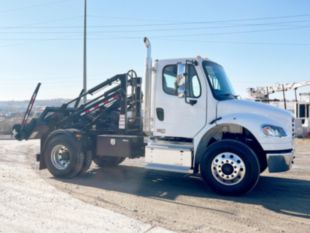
(148, 88)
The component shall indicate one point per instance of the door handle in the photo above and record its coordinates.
(192, 102)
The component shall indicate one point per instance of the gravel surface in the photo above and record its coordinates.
(30, 204)
(280, 202)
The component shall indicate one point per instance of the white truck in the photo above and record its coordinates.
(192, 121)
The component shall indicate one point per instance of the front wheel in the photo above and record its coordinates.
(230, 167)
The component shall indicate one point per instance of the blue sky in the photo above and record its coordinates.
(259, 42)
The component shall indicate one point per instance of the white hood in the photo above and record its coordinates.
(235, 106)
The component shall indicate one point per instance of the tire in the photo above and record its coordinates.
(87, 162)
(63, 156)
(108, 161)
(230, 167)
(263, 166)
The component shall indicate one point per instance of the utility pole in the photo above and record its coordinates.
(85, 51)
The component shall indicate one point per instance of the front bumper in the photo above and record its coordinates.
(280, 161)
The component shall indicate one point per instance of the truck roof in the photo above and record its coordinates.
(181, 60)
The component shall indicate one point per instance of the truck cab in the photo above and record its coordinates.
(198, 124)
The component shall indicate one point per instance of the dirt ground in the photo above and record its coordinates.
(29, 204)
(182, 203)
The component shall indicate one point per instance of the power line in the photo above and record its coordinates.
(131, 18)
(234, 32)
(243, 42)
(168, 36)
(185, 41)
(168, 29)
(33, 6)
(176, 23)
(211, 21)
(221, 21)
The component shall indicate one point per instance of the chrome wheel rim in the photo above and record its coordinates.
(228, 168)
(60, 157)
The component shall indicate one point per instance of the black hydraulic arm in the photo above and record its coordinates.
(77, 102)
(109, 81)
(106, 112)
(30, 105)
(21, 131)
(93, 106)
(105, 83)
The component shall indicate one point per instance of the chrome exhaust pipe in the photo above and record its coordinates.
(148, 88)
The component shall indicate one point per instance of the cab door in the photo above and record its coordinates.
(180, 103)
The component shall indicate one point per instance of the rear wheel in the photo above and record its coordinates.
(230, 167)
(87, 162)
(64, 156)
(108, 161)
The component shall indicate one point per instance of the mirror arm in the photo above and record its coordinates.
(192, 62)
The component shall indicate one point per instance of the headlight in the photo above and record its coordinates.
(273, 131)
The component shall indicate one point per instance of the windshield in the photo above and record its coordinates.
(220, 85)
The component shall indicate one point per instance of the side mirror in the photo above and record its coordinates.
(180, 82)
(181, 69)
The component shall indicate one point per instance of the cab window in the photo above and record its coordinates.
(194, 88)
(170, 79)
